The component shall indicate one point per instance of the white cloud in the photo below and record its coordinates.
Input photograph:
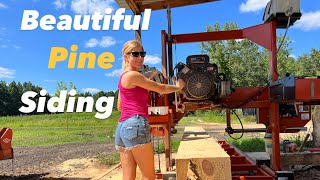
(293, 56)
(60, 4)
(152, 59)
(114, 73)
(105, 41)
(3, 46)
(90, 6)
(91, 90)
(92, 43)
(253, 5)
(7, 73)
(309, 21)
(3, 6)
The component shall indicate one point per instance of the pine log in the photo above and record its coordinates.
(316, 125)
(201, 157)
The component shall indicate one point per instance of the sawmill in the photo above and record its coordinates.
(283, 106)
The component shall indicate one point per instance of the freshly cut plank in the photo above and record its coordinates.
(201, 157)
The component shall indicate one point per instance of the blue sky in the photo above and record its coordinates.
(25, 54)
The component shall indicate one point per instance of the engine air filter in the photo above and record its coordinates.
(198, 85)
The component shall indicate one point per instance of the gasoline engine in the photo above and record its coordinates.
(202, 79)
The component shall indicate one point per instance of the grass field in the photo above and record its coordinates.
(53, 129)
(219, 117)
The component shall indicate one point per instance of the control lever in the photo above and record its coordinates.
(179, 106)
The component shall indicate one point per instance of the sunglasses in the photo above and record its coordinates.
(137, 54)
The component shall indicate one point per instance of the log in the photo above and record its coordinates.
(316, 125)
(299, 158)
(201, 157)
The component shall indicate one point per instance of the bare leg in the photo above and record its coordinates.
(128, 164)
(143, 154)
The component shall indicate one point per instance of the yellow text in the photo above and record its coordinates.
(59, 54)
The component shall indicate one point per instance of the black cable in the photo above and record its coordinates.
(284, 34)
(243, 103)
(233, 111)
(289, 17)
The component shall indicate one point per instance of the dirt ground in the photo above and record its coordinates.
(54, 161)
(77, 161)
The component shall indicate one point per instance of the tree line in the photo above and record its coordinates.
(10, 96)
(247, 64)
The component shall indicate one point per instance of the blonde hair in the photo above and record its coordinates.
(127, 47)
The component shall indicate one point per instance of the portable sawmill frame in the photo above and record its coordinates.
(301, 92)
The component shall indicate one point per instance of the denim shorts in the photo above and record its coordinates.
(132, 132)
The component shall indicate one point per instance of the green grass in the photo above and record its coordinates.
(248, 144)
(174, 146)
(187, 120)
(57, 120)
(216, 116)
(298, 139)
(220, 117)
(54, 129)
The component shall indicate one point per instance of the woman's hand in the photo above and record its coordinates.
(134, 78)
(180, 83)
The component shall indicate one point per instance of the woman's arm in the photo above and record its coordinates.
(119, 105)
(136, 79)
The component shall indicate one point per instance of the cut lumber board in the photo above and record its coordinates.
(201, 157)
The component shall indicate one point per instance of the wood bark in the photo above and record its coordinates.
(316, 125)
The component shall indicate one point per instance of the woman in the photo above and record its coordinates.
(132, 135)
